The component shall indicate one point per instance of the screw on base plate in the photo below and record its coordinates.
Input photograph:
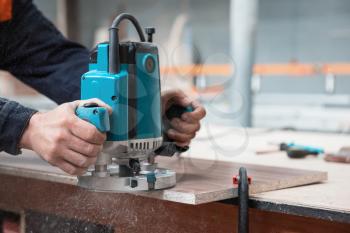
(133, 183)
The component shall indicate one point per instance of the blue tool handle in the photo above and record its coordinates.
(98, 116)
(310, 149)
(169, 148)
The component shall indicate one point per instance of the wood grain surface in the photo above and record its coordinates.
(202, 181)
(198, 180)
(331, 195)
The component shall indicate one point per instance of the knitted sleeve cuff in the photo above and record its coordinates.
(14, 119)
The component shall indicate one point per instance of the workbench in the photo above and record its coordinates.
(48, 200)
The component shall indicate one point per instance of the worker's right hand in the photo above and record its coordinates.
(63, 139)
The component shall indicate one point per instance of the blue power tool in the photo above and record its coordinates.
(125, 75)
(297, 151)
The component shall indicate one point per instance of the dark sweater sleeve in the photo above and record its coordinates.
(33, 50)
(13, 121)
(36, 53)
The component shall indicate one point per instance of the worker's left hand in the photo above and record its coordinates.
(183, 130)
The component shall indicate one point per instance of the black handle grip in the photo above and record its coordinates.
(177, 111)
(169, 148)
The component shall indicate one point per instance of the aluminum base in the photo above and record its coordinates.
(165, 178)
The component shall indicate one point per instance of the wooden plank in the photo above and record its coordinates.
(202, 181)
(332, 195)
(198, 180)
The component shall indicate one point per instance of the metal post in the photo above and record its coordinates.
(67, 18)
(243, 20)
(61, 18)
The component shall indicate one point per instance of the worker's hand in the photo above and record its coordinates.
(183, 130)
(63, 139)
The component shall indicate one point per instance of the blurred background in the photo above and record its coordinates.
(267, 63)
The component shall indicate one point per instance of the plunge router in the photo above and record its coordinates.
(126, 77)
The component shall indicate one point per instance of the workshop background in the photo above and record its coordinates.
(271, 64)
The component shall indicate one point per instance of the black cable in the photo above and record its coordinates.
(114, 61)
(133, 20)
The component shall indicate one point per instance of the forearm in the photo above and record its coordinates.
(14, 119)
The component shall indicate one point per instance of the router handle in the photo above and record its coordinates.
(169, 147)
(98, 116)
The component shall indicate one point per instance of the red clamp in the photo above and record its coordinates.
(235, 179)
